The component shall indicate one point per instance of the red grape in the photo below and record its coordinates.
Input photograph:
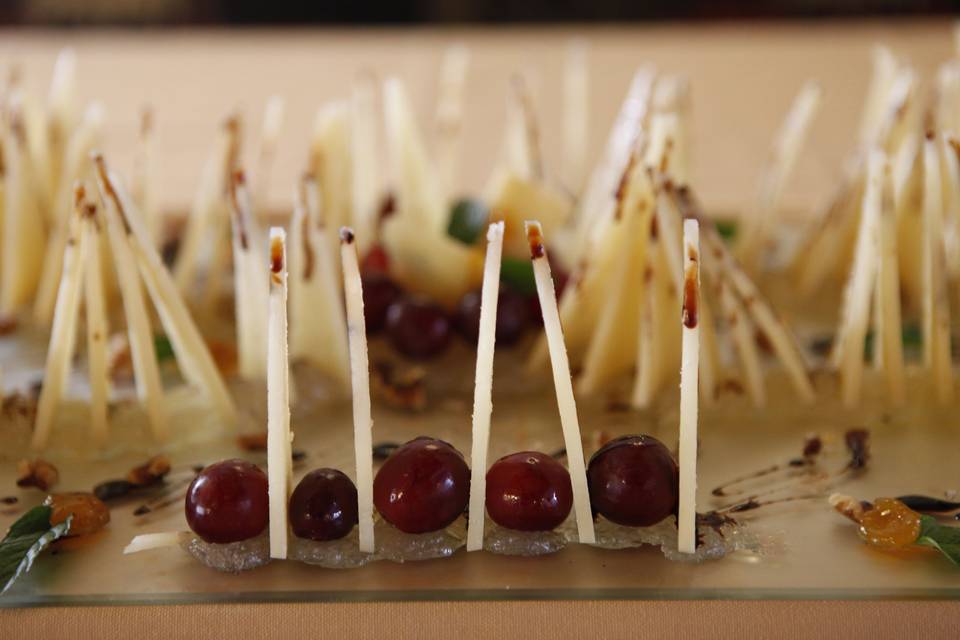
(418, 328)
(633, 481)
(323, 506)
(227, 502)
(424, 486)
(379, 292)
(376, 261)
(528, 491)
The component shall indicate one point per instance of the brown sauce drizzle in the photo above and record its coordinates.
(535, 239)
(109, 191)
(308, 257)
(691, 295)
(276, 256)
(238, 181)
(796, 474)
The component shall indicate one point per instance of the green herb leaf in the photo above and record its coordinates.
(161, 344)
(941, 537)
(911, 335)
(726, 228)
(517, 273)
(28, 536)
(468, 217)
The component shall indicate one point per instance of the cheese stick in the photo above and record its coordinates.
(936, 304)
(562, 382)
(365, 158)
(449, 116)
(251, 287)
(94, 302)
(576, 112)
(318, 328)
(856, 310)
(273, 114)
(483, 387)
(279, 465)
(360, 379)
(146, 370)
(689, 392)
(145, 187)
(889, 337)
(60, 351)
(193, 356)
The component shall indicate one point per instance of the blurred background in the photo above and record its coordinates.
(193, 62)
(185, 12)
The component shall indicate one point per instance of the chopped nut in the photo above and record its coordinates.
(37, 473)
(119, 357)
(8, 324)
(849, 506)
(152, 471)
(401, 389)
(253, 441)
(19, 404)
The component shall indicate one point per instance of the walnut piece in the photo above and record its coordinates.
(37, 473)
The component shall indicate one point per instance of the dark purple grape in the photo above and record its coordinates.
(528, 491)
(418, 328)
(323, 506)
(513, 316)
(379, 292)
(424, 486)
(633, 481)
(227, 502)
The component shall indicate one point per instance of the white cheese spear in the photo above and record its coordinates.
(279, 466)
(64, 329)
(561, 382)
(94, 303)
(360, 380)
(193, 356)
(250, 287)
(483, 386)
(689, 392)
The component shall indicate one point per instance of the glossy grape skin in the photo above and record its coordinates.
(633, 481)
(418, 328)
(424, 486)
(379, 292)
(227, 502)
(513, 316)
(376, 261)
(528, 491)
(323, 506)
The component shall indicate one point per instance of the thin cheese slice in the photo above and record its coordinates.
(148, 541)
(562, 383)
(360, 379)
(279, 465)
(689, 392)
(860, 286)
(318, 327)
(94, 303)
(273, 114)
(483, 386)
(250, 284)
(62, 342)
(193, 356)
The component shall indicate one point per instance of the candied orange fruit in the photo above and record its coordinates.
(890, 524)
(90, 514)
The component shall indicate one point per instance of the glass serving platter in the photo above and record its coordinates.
(806, 550)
